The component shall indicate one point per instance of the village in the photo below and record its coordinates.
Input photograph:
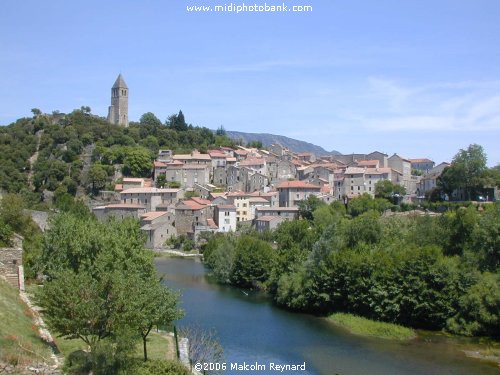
(225, 189)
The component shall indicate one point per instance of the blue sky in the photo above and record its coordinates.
(421, 78)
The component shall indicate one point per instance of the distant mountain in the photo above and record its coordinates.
(292, 144)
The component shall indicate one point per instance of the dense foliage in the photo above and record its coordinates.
(102, 287)
(80, 149)
(433, 272)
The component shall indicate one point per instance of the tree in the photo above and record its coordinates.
(150, 119)
(78, 305)
(97, 176)
(255, 144)
(466, 171)
(308, 206)
(149, 304)
(220, 131)
(137, 163)
(251, 263)
(386, 189)
(161, 180)
(177, 122)
(36, 112)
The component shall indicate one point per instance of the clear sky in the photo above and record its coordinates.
(421, 77)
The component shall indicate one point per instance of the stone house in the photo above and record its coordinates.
(290, 213)
(193, 158)
(292, 192)
(423, 165)
(190, 214)
(278, 149)
(380, 156)
(159, 227)
(268, 223)
(403, 166)
(220, 176)
(187, 175)
(119, 211)
(151, 197)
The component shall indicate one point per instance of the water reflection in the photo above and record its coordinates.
(252, 330)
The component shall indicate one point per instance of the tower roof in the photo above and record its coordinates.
(120, 82)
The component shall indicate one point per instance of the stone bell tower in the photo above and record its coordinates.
(118, 110)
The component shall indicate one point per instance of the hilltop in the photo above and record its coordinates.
(267, 139)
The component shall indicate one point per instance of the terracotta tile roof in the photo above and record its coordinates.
(216, 195)
(355, 170)
(277, 209)
(149, 190)
(201, 200)
(268, 218)
(253, 161)
(124, 205)
(326, 188)
(211, 224)
(420, 160)
(226, 207)
(118, 187)
(194, 166)
(189, 205)
(149, 216)
(297, 185)
(258, 200)
(217, 154)
(303, 154)
(161, 164)
(241, 152)
(367, 163)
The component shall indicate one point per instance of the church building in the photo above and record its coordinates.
(118, 110)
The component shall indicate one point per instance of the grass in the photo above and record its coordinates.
(20, 343)
(160, 346)
(366, 327)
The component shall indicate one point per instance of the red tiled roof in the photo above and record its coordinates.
(297, 185)
(148, 216)
(217, 154)
(226, 207)
(253, 161)
(201, 200)
(157, 164)
(125, 205)
(268, 218)
(150, 190)
(211, 224)
(425, 160)
(366, 163)
(118, 187)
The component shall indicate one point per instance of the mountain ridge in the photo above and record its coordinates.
(268, 139)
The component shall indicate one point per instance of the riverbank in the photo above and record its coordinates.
(358, 325)
(175, 253)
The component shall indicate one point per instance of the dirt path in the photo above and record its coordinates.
(34, 158)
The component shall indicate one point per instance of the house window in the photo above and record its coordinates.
(359, 187)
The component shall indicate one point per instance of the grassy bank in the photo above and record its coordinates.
(160, 346)
(20, 343)
(366, 327)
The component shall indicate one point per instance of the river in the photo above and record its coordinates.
(251, 329)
